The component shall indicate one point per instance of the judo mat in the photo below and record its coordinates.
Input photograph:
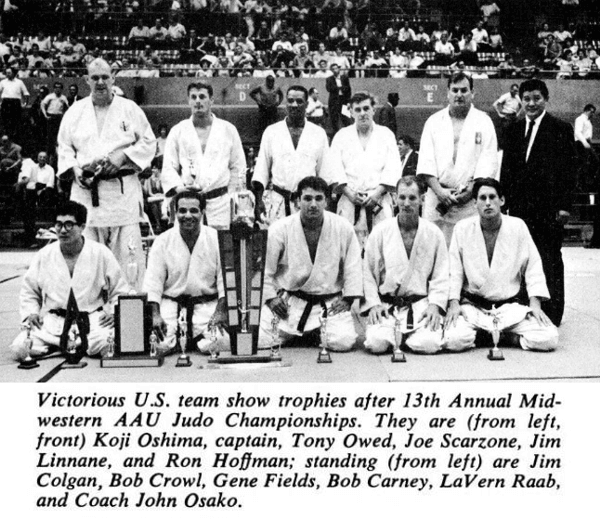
(577, 358)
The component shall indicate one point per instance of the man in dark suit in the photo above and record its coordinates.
(386, 115)
(338, 87)
(538, 173)
(408, 156)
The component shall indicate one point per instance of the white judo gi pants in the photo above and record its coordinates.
(513, 317)
(47, 338)
(349, 211)
(423, 340)
(118, 239)
(203, 312)
(340, 329)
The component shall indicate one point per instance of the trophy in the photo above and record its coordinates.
(398, 356)
(213, 347)
(73, 352)
(183, 337)
(276, 341)
(131, 344)
(28, 363)
(132, 268)
(324, 356)
(495, 354)
(243, 250)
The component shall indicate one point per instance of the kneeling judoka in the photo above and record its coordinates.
(490, 255)
(72, 264)
(184, 280)
(406, 277)
(313, 270)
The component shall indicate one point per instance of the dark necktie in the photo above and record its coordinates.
(530, 124)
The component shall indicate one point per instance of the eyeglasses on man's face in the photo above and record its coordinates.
(67, 224)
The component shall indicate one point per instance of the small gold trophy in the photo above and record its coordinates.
(213, 347)
(28, 363)
(324, 356)
(132, 268)
(183, 360)
(398, 356)
(276, 340)
(73, 354)
(153, 344)
(110, 342)
(495, 354)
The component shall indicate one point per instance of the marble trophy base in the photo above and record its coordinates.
(495, 354)
(183, 361)
(28, 363)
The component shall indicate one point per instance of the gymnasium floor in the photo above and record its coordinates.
(578, 357)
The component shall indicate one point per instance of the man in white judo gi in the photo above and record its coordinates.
(184, 280)
(366, 166)
(313, 270)
(73, 263)
(205, 154)
(104, 142)
(289, 151)
(458, 145)
(406, 277)
(490, 256)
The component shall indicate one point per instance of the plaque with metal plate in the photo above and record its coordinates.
(133, 325)
(243, 249)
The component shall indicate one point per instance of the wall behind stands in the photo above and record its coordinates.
(165, 99)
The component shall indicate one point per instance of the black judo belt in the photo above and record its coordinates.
(403, 301)
(187, 302)
(104, 177)
(311, 300)
(368, 213)
(213, 194)
(288, 197)
(71, 315)
(486, 304)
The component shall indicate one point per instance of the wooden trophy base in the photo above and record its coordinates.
(398, 356)
(183, 361)
(324, 357)
(131, 362)
(28, 363)
(495, 354)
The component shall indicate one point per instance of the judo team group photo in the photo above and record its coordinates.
(447, 245)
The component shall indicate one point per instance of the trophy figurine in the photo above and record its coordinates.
(73, 353)
(110, 350)
(183, 360)
(495, 354)
(276, 341)
(213, 346)
(324, 356)
(28, 362)
(153, 344)
(398, 356)
(132, 268)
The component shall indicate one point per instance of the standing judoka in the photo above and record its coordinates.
(205, 154)
(458, 145)
(184, 277)
(313, 269)
(75, 264)
(289, 151)
(366, 166)
(104, 141)
(406, 277)
(490, 256)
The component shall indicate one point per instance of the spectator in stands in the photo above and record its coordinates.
(376, 66)
(321, 54)
(139, 35)
(302, 57)
(481, 37)
(508, 107)
(490, 9)
(371, 37)
(176, 31)
(59, 42)
(154, 199)
(315, 111)
(45, 181)
(338, 35)
(406, 36)
(26, 198)
(409, 157)
(398, 64)
(268, 97)
(10, 159)
(528, 70)
(340, 60)
(53, 107)
(23, 72)
(260, 71)
(14, 96)
(582, 64)
(158, 34)
(323, 71)
(338, 87)
(444, 50)
(496, 42)
(210, 46)
(588, 159)
(386, 114)
(78, 47)
(561, 34)
(565, 65)
(422, 39)
(468, 49)
(222, 67)
(205, 70)
(68, 58)
(190, 47)
(414, 61)
(34, 56)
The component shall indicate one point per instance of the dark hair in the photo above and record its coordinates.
(311, 90)
(359, 97)
(57, 83)
(201, 86)
(393, 97)
(313, 182)
(188, 194)
(409, 180)
(298, 88)
(589, 107)
(534, 84)
(407, 140)
(78, 211)
(514, 85)
(161, 126)
(487, 181)
(458, 77)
